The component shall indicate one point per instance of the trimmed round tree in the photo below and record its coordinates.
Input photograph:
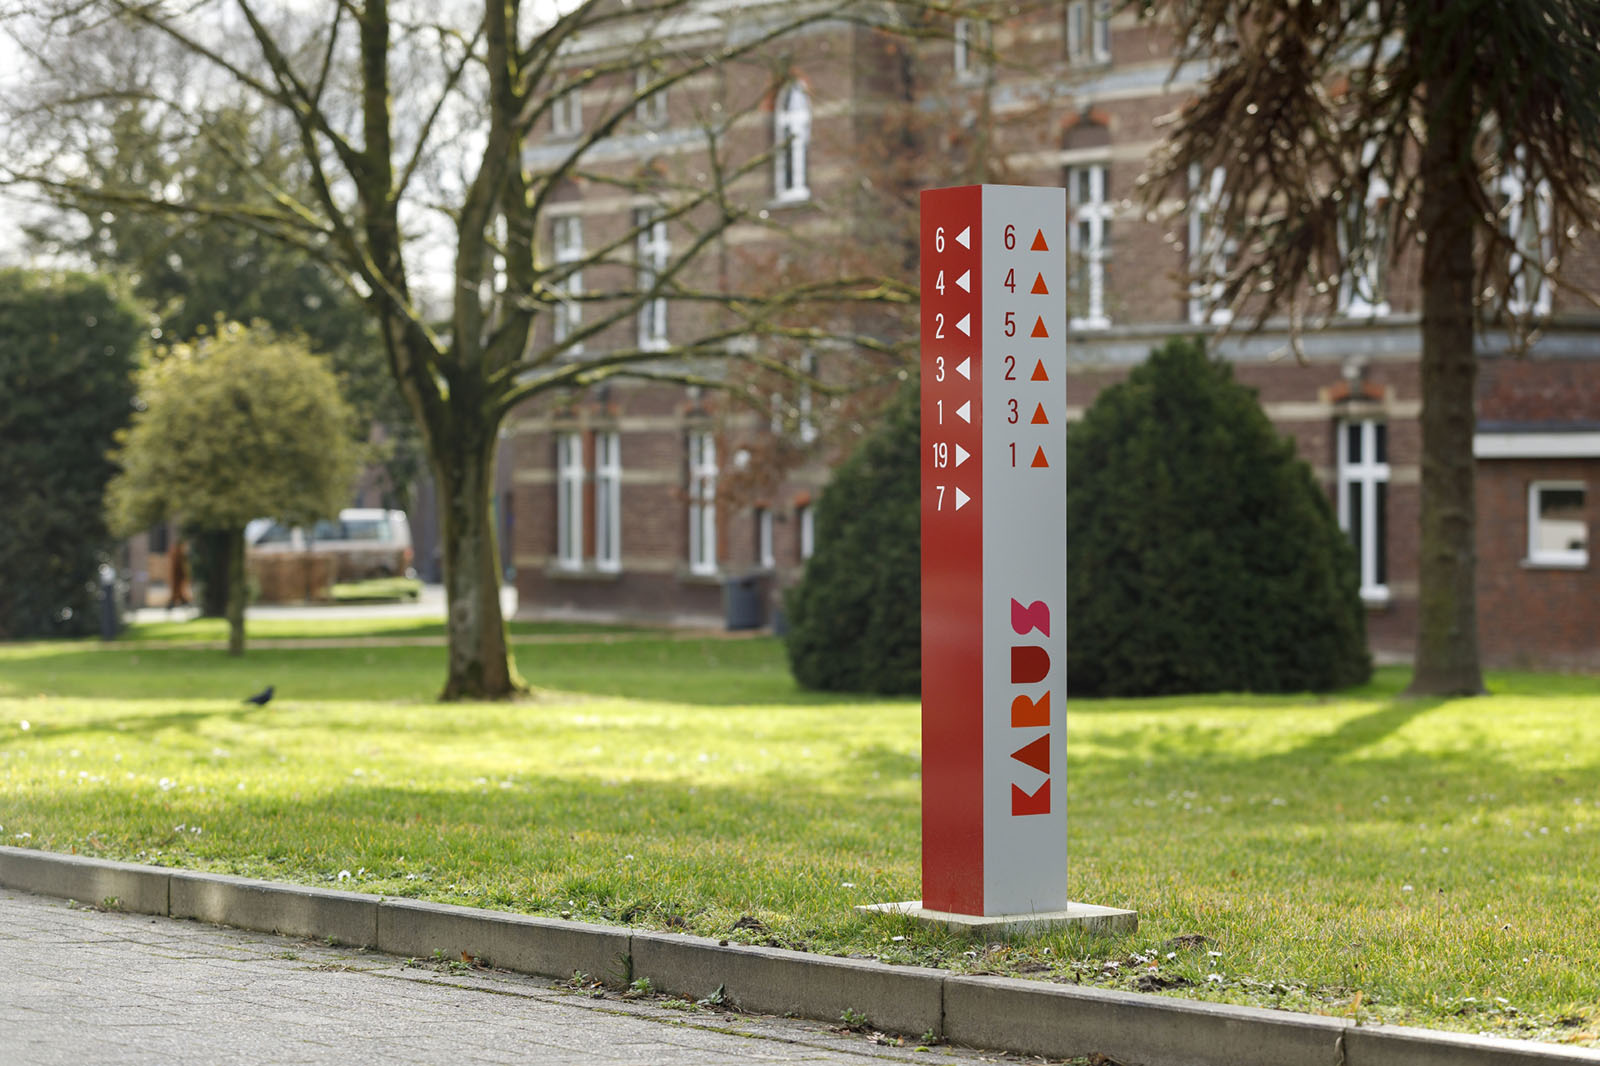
(855, 617)
(238, 425)
(1201, 554)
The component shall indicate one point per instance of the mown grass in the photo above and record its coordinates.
(377, 590)
(1411, 861)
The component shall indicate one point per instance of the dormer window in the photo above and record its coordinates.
(792, 142)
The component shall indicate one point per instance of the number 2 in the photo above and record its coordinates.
(1011, 364)
(938, 330)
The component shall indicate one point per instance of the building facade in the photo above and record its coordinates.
(643, 500)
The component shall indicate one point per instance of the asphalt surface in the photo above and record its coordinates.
(82, 986)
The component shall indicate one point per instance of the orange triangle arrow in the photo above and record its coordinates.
(1039, 417)
(1038, 372)
(1038, 242)
(1036, 755)
(1038, 329)
(1039, 287)
(1039, 459)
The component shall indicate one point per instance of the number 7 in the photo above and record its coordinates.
(940, 505)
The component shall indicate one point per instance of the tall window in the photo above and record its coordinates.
(566, 240)
(1558, 530)
(1364, 245)
(608, 501)
(651, 109)
(1087, 236)
(1525, 219)
(792, 142)
(569, 500)
(805, 516)
(651, 252)
(1089, 31)
(566, 114)
(807, 426)
(702, 503)
(1210, 248)
(1364, 501)
(764, 554)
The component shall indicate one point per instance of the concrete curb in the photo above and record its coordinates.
(1030, 1017)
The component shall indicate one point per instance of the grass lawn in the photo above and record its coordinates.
(1427, 863)
(214, 630)
(377, 590)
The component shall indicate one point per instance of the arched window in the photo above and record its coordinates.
(792, 137)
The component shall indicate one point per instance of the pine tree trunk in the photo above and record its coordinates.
(480, 653)
(1447, 626)
(236, 591)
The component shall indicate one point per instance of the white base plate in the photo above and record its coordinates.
(1087, 915)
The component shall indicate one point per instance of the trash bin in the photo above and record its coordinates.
(744, 602)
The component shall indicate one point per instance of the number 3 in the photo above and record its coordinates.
(938, 374)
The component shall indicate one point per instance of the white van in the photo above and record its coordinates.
(364, 541)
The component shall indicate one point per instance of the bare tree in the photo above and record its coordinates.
(412, 121)
(1445, 116)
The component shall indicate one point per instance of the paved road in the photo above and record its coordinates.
(81, 987)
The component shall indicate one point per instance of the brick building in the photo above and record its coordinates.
(629, 500)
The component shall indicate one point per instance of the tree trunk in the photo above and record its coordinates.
(209, 570)
(480, 652)
(1447, 624)
(236, 591)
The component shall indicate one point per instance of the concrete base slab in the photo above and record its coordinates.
(1095, 919)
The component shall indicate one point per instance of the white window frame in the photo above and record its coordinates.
(1210, 248)
(650, 110)
(1364, 282)
(1515, 218)
(570, 475)
(1573, 558)
(807, 426)
(766, 558)
(792, 143)
(566, 114)
(652, 250)
(702, 502)
(608, 501)
(806, 520)
(566, 239)
(1089, 31)
(1365, 476)
(1092, 212)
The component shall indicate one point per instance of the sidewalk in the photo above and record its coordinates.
(80, 986)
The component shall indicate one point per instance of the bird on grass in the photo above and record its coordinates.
(260, 698)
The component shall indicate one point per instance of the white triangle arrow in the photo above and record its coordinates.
(965, 281)
(965, 325)
(962, 455)
(965, 369)
(962, 499)
(964, 238)
(965, 411)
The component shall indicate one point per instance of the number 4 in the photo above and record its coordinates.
(940, 283)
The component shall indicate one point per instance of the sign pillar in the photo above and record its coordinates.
(993, 373)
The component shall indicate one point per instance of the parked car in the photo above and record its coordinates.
(364, 542)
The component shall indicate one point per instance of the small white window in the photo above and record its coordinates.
(808, 530)
(566, 114)
(702, 503)
(1363, 486)
(1087, 237)
(970, 38)
(569, 500)
(566, 240)
(1210, 248)
(1558, 526)
(792, 143)
(1525, 219)
(650, 109)
(608, 501)
(651, 253)
(807, 426)
(764, 554)
(1089, 31)
(1364, 245)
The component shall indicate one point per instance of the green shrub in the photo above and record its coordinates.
(68, 344)
(855, 617)
(1201, 554)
